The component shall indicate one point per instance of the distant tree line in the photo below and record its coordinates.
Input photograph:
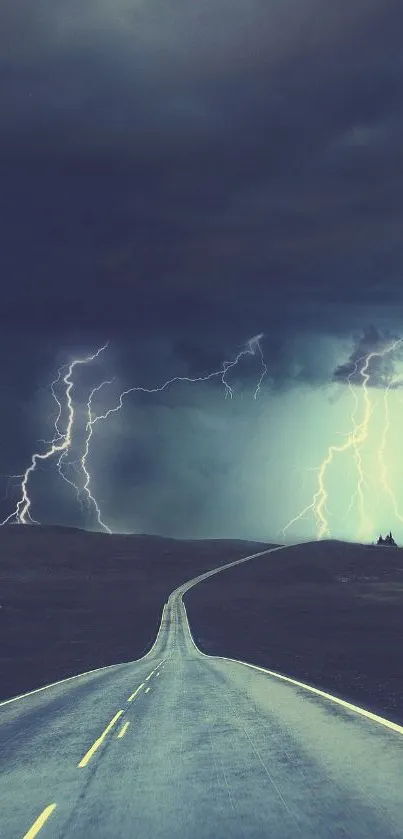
(388, 540)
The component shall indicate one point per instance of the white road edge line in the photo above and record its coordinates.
(183, 588)
(136, 660)
(393, 726)
(87, 672)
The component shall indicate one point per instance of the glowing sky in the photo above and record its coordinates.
(177, 177)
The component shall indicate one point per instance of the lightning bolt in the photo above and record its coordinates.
(359, 435)
(59, 447)
(91, 420)
(60, 444)
(357, 454)
(253, 347)
(381, 451)
(58, 403)
(355, 440)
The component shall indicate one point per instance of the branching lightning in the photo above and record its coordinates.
(70, 448)
(252, 347)
(381, 451)
(355, 441)
(91, 420)
(255, 346)
(60, 446)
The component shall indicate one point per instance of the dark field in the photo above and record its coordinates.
(71, 600)
(328, 613)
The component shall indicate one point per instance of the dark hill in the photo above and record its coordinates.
(327, 613)
(72, 600)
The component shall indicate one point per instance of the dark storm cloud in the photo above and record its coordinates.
(386, 350)
(177, 177)
(199, 361)
(172, 152)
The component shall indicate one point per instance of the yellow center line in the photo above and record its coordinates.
(87, 757)
(123, 730)
(149, 675)
(34, 830)
(130, 699)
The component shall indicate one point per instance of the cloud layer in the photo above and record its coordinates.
(179, 176)
(203, 150)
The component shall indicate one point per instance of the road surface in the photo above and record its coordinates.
(179, 745)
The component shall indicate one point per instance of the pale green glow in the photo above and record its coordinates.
(355, 509)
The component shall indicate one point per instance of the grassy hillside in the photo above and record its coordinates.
(328, 613)
(72, 601)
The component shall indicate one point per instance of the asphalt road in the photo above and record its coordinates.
(180, 745)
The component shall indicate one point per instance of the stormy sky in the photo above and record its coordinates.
(176, 178)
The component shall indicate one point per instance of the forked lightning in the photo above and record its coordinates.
(354, 443)
(59, 447)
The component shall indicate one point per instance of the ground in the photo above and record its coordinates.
(71, 601)
(327, 613)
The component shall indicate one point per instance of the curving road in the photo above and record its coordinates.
(179, 744)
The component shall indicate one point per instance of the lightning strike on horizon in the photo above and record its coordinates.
(59, 445)
(91, 419)
(357, 454)
(359, 435)
(252, 346)
(60, 436)
(10, 478)
(355, 440)
(381, 451)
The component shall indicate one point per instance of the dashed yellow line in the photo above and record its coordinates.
(38, 824)
(87, 757)
(123, 730)
(133, 695)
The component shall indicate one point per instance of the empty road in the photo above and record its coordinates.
(181, 745)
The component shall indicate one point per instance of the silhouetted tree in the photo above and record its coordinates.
(388, 540)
